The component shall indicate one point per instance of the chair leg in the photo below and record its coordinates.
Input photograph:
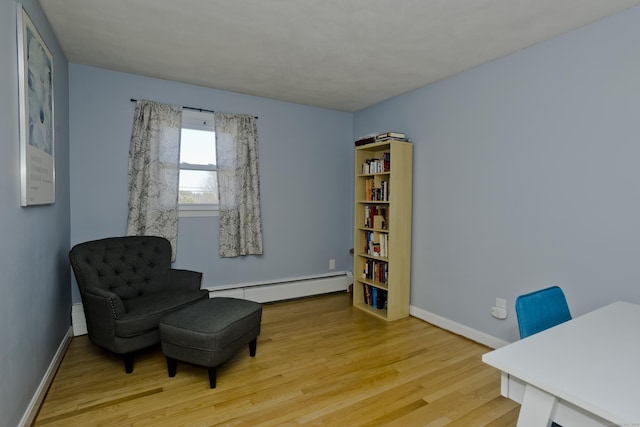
(252, 347)
(171, 366)
(212, 377)
(128, 363)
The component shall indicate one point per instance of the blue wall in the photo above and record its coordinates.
(305, 176)
(34, 269)
(526, 175)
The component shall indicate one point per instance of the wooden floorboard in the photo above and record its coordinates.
(319, 362)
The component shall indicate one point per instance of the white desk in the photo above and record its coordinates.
(585, 372)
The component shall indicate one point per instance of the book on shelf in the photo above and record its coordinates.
(372, 243)
(381, 299)
(367, 294)
(369, 187)
(375, 243)
(374, 297)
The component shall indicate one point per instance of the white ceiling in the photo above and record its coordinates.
(338, 54)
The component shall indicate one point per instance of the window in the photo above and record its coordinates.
(198, 189)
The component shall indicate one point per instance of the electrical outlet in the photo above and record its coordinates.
(499, 312)
(332, 264)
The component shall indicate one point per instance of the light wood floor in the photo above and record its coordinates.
(319, 362)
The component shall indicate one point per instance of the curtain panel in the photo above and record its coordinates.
(153, 172)
(238, 185)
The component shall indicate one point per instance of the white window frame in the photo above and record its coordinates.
(199, 120)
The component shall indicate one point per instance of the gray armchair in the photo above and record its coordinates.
(127, 285)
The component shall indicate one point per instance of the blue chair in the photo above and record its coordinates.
(540, 310)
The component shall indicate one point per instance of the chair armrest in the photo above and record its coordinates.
(183, 279)
(101, 309)
(101, 300)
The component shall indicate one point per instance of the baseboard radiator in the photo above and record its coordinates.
(267, 291)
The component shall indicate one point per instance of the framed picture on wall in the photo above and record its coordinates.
(35, 87)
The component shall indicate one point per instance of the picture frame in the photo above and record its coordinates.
(36, 104)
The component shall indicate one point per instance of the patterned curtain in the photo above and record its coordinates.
(238, 184)
(154, 155)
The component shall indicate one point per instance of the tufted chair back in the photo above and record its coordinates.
(127, 266)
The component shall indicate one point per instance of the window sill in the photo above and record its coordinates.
(197, 211)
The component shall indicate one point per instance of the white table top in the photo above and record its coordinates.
(592, 361)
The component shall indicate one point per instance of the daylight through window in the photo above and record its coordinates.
(198, 190)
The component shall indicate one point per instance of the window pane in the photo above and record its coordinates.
(198, 187)
(198, 147)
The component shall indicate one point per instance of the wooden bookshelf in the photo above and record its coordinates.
(382, 235)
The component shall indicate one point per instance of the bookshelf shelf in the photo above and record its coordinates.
(373, 257)
(373, 174)
(378, 285)
(379, 230)
(382, 232)
(373, 311)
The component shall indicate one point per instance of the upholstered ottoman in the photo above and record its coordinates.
(210, 332)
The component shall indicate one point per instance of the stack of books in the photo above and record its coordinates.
(378, 137)
(399, 136)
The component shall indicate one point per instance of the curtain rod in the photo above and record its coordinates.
(191, 108)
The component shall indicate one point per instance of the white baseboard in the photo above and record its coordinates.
(32, 410)
(457, 328)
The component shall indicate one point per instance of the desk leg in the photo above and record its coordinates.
(504, 384)
(536, 408)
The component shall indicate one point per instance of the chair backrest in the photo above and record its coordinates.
(128, 266)
(540, 310)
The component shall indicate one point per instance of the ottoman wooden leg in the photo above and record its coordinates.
(171, 366)
(212, 377)
(252, 347)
